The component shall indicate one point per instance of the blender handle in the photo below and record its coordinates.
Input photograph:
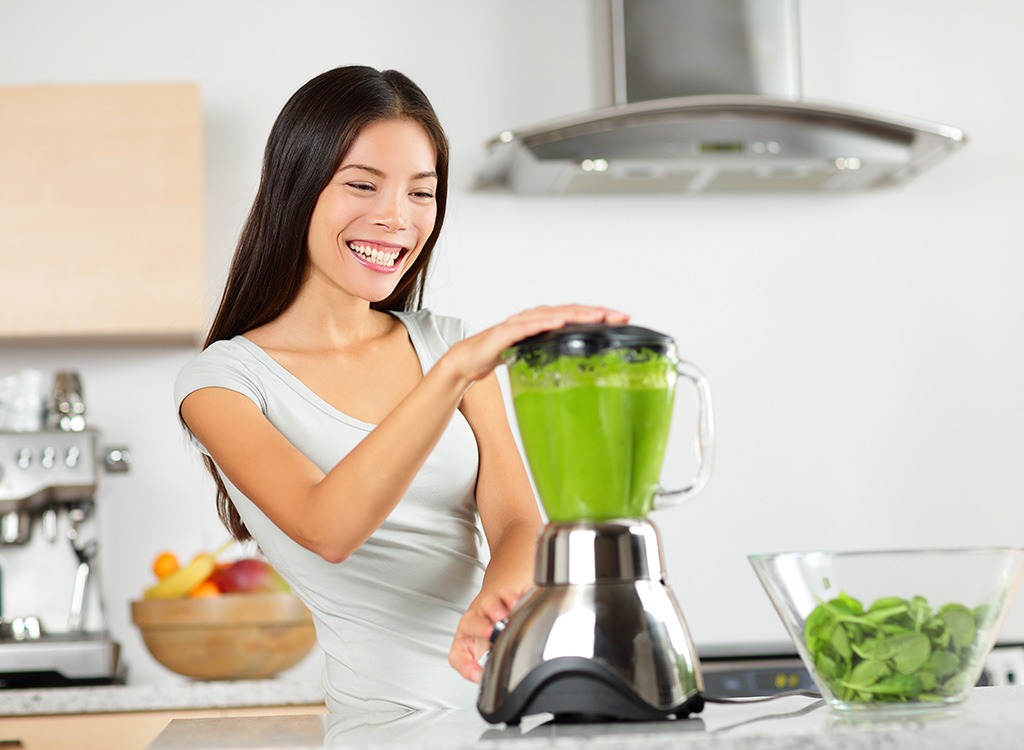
(705, 444)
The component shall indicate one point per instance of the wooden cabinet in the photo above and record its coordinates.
(101, 232)
(117, 731)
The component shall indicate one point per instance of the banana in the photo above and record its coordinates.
(181, 582)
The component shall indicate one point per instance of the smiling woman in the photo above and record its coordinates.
(376, 218)
(336, 416)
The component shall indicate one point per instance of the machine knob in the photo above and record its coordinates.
(15, 527)
(499, 628)
(21, 629)
(117, 460)
(71, 460)
(48, 456)
(24, 458)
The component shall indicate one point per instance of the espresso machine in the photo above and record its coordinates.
(52, 626)
(600, 636)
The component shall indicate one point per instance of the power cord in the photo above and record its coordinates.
(763, 699)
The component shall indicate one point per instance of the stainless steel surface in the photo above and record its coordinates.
(39, 469)
(706, 99)
(77, 513)
(50, 523)
(77, 609)
(620, 551)
(73, 658)
(21, 629)
(15, 527)
(599, 597)
(48, 477)
(117, 460)
(85, 554)
(66, 410)
(672, 48)
(707, 144)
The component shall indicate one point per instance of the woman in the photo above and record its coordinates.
(354, 436)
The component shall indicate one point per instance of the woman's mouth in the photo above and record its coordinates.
(378, 257)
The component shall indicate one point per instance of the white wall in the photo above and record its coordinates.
(863, 350)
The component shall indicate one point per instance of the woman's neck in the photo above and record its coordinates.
(323, 321)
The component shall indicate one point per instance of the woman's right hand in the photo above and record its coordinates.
(478, 355)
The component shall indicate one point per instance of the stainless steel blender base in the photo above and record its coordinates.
(600, 637)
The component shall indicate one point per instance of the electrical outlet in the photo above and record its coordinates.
(1005, 665)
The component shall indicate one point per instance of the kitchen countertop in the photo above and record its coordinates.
(991, 718)
(172, 697)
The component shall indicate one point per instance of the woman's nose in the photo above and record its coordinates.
(391, 213)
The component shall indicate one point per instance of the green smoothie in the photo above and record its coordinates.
(595, 430)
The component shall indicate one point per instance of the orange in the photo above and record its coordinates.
(206, 588)
(165, 564)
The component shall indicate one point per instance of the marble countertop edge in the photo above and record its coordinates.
(171, 697)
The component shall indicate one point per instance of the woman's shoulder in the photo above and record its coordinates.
(450, 328)
(231, 363)
(227, 354)
(232, 348)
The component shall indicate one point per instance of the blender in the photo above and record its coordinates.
(600, 636)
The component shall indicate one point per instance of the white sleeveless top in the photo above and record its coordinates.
(386, 616)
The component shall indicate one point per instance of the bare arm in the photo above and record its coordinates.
(511, 520)
(332, 514)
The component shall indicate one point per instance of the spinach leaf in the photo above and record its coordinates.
(895, 650)
(910, 652)
(960, 622)
(867, 673)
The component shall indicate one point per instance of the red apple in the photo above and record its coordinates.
(249, 575)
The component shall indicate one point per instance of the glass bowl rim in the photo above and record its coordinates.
(898, 551)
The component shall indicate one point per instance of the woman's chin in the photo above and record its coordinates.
(376, 296)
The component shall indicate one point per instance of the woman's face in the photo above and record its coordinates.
(373, 218)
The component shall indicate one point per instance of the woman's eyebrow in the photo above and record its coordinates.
(379, 173)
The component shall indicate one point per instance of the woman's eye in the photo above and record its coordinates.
(425, 194)
(361, 186)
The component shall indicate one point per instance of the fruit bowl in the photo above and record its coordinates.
(226, 637)
(892, 629)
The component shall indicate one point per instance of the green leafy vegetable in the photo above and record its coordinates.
(896, 649)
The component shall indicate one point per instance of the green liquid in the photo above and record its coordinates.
(595, 430)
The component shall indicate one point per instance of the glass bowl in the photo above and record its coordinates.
(892, 629)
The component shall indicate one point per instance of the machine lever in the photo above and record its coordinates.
(85, 554)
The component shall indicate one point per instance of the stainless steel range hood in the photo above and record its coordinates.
(706, 97)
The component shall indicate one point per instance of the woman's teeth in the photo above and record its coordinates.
(374, 255)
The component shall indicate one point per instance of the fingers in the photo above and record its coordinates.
(473, 636)
(562, 314)
(495, 606)
(539, 319)
(472, 640)
(476, 626)
(478, 355)
(465, 661)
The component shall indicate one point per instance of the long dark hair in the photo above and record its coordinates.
(310, 137)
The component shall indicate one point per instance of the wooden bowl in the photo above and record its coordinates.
(226, 637)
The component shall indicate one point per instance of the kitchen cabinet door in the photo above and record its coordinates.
(101, 231)
(118, 731)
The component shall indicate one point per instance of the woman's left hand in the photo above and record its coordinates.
(473, 636)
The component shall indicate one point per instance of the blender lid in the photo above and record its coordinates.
(584, 339)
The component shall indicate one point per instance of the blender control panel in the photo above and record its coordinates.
(46, 466)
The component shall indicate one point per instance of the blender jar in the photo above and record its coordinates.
(594, 406)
